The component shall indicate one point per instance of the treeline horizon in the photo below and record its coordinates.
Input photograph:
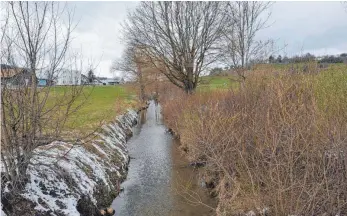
(339, 58)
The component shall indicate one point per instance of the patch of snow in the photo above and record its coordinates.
(100, 150)
(61, 172)
(6, 190)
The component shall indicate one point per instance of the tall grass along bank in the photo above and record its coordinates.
(277, 145)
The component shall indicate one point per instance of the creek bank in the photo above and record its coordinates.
(208, 178)
(75, 179)
(206, 181)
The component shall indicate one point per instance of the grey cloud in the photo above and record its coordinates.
(301, 25)
(332, 37)
(308, 25)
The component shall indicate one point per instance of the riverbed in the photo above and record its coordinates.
(159, 181)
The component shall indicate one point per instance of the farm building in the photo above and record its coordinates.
(15, 76)
(112, 81)
(68, 77)
(102, 80)
(45, 82)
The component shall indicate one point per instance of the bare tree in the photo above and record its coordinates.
(178, 38)
(245, 20)
(4, 18)
(136, 67)
(130, 64)
(35, 43)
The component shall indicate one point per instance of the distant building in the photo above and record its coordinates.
(15, 76)
(42, 82)
(44, 78)
(99, 81)
(319, 58)
(102, 80)
(45, 82)
(112, 81)
(68, 77)
(85, 80)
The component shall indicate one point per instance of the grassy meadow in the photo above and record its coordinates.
(101, 104)
(95, 105)
(208, 83)
(226, 81)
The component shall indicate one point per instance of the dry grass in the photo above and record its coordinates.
(279, 142)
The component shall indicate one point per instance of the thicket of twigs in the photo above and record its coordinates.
(279, 142)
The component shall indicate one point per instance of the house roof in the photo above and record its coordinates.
(8, 71)
(5, 66)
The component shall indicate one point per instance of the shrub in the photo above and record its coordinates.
(278, 142)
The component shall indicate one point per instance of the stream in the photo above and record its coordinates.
(159, 178)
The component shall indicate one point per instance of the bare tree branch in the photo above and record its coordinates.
(245, 20)
(178, 38)
(36, 43)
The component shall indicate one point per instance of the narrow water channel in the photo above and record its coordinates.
(158, 176)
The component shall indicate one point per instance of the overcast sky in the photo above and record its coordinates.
(316, 27)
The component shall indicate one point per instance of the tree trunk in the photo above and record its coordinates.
(142, 87)
(189, 86)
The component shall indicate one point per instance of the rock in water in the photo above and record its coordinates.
(102, 212)
(110, 211)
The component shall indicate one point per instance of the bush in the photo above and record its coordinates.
(279, 142)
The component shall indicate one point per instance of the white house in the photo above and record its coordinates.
(112, 81)
(68, 77)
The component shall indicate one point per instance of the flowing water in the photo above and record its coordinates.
(159, 181)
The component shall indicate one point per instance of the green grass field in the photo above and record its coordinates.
(217, 83)
(99, 105)
(209, 83)
(104, 103)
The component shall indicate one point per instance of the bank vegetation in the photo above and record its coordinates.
(276, 144)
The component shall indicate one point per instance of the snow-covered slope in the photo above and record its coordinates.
(65, 177)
